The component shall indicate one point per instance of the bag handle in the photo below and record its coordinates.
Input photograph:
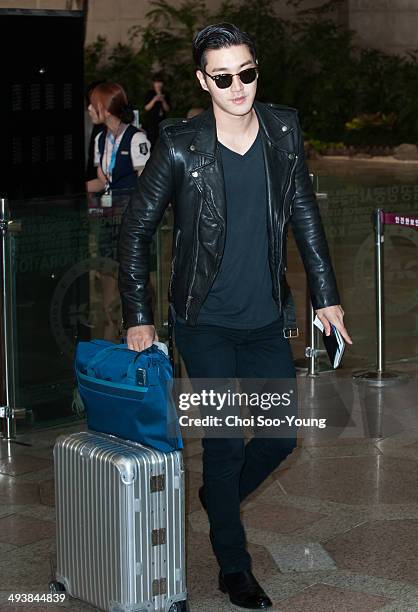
(152, 368)
(131, 373)
(101, 355)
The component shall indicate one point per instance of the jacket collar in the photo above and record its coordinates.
(272, 125)
(205, 141)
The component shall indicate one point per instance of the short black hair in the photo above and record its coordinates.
(157, 77)
(220, 36)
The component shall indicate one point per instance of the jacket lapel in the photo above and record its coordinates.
(278, 153)
(273, 127)
(206, 168)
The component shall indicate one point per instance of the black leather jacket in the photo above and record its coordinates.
(185, 169)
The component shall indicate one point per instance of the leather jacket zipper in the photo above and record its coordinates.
(282, 224)
(194, 263)
(290, 181)
(173, 263)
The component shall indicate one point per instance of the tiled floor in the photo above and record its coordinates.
(334, 528)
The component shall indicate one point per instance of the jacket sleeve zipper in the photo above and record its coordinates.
(194, 263)
(282, 224)
(188, 302)
(173, 263)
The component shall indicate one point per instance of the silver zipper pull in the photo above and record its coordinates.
(189, 301)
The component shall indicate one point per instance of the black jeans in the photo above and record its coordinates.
(231, 468)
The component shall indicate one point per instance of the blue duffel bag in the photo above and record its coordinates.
(128, 394)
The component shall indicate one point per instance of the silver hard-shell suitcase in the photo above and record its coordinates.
(120, 524)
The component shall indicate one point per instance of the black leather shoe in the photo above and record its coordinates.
(244, 590)
(202, 497)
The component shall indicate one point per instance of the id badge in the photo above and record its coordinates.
(106, 200)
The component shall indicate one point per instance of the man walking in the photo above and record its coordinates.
(236, 177)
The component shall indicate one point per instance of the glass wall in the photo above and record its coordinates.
(349, 227)
(65, 281)
(65, 290)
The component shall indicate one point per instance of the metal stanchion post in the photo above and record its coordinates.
(8, 410)
(380, 376)
(311, 352)
(379, 246)
(4, 400)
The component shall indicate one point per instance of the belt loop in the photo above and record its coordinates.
(291, 332)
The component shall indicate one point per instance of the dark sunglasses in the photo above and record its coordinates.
(223, 81)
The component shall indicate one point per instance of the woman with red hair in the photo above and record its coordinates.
(121, 150)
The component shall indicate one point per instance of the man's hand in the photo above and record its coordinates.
(140, 337)
(333, 315)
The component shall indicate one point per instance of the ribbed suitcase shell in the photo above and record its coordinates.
(120, 523)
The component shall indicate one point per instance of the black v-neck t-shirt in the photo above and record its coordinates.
(241, 296)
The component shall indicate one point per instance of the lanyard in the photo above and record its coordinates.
(115, 147)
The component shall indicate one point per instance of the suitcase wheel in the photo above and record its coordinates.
(56, 587)
(179, 606)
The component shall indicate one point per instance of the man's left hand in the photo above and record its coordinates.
(333, 315)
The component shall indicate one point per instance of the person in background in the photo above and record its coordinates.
(120, 149)
(156, 106)
(91, 129)
(120, 153)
